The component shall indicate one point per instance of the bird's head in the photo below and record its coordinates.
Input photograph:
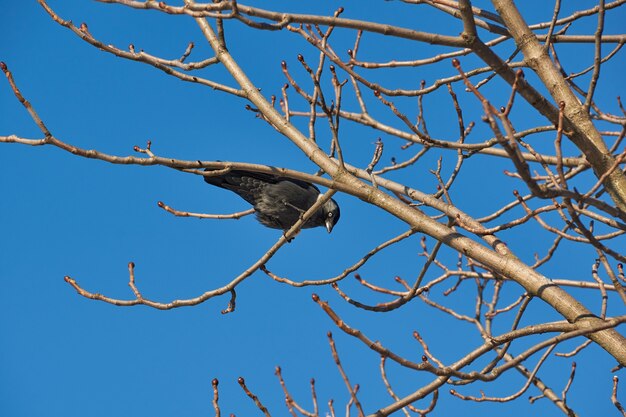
(331, 213)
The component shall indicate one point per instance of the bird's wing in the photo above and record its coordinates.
(240, 183)
(299, 195)
(256, 186)
(275, 179)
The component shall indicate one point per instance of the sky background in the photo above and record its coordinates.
(64, 355)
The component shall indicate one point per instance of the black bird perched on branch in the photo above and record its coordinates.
(278, 201)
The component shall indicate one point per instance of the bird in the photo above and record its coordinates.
(278, 201)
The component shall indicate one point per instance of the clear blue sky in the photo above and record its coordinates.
(63, 355)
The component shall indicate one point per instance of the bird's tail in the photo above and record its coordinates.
(245, 184)
(219, 180)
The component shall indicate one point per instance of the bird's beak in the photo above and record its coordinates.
(329, 225)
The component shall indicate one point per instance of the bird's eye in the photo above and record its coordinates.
(330, 215)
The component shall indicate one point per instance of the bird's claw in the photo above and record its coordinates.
(288, 239)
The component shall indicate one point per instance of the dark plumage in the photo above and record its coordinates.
(278, 201)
